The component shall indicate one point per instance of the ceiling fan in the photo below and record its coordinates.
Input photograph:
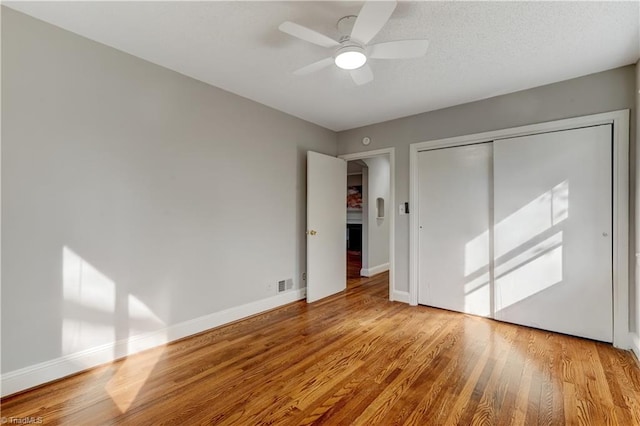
(351, 51)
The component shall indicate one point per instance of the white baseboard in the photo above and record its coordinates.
(635, 343)
(400, 296)
(34, 375)
(369, 272)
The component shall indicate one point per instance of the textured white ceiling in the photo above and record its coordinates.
(477, 49)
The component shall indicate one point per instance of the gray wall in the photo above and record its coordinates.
(354, 180)
(170, 198)
(606, 91)
(378, 229)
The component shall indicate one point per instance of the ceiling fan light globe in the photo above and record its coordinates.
(350, 58)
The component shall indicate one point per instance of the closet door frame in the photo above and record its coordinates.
(620, 155)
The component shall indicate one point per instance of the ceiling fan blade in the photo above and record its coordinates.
(399, 49)
(316, 66)
(371, 19)
(307, 34)
(362, 75)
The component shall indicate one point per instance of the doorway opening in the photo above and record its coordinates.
(357, 174)
(369, 223)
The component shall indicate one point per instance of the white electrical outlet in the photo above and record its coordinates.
(270, 287)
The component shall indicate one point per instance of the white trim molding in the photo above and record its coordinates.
(391, 152)
(400, 296)
(620, 121)
(34, 375)
(634, 339)
(374, 270)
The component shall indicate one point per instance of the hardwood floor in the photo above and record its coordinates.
(354, 264)
(353, 359)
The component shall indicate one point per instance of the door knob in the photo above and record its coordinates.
(312, 232)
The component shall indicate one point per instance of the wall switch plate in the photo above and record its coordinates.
(401, 209)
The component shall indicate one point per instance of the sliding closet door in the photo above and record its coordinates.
(553, 222)
(454, 188)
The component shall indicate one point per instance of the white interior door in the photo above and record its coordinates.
(553, 224)
(454, 219)
(326, 225)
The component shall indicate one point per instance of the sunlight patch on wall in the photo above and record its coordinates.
(477, 300)
(520, 271)
(542, 213)
(141, 320)
(89, 305)
(560, 203)
(530, 272)
(89, 322)
(85, 285)
(476, 253)
(476, 283)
